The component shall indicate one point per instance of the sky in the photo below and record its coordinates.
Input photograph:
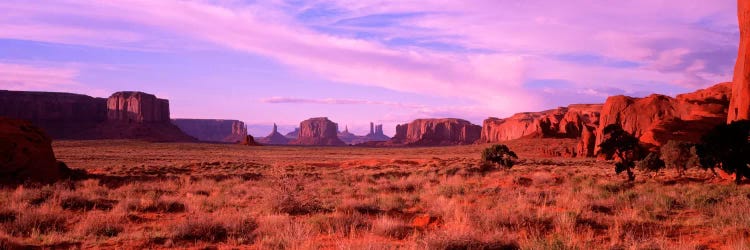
(357, 61)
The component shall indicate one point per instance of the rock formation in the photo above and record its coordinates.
(293, 135)
(125, 115)
(349, 138)
(739, 109)
(435, 132)
(213, 130)
(138, 107)
(376, 133)
(318, 131)
(563, 122)
(249, 141)
(657, 119)
(26, 154)
(61, 115)
(275, 138)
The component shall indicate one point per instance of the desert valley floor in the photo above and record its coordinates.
(203, 196)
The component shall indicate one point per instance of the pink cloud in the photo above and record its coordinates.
(513, 41)
(30, 77)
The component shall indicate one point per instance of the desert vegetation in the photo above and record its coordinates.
(229, 196)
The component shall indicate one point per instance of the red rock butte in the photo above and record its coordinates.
(318, 131)
(436, 132)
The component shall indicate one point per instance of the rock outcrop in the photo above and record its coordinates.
(138, 107)
(349, 138)
(318, 131)
(61, 115)
(275, 138)
(293, 135)
(26, 154)
(563, 122)
(436, 132)
(376, 133)
(739, 109)
(249, 141)
(657, 119)
(213, 130)
(125, 115)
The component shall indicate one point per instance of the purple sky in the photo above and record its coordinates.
(357, 61)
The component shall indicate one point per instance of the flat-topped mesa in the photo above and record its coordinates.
(436, 132)
(274, 138)
(61, 115)
(213, 130)
(318, 131)
(562, 122)
(656, 119)
(137, 107)
(739, 109)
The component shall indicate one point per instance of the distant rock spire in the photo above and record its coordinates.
(275, 128)
(346, 128)
(372, 128)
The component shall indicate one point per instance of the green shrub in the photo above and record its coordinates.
(652, 163)
(499, 154)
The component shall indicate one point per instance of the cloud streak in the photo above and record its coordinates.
(485, 51)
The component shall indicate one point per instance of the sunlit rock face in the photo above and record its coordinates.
(318, 131)
(563, 122)
(656, 119)
(739, 109)
(435, 132)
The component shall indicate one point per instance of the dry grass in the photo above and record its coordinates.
(227, 196)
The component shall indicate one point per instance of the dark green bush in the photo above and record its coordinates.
(499, 154)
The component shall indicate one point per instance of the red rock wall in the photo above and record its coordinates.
(740, 107)
(563, 122)
(318, 131)
(657, 119)
(137, 107)
(213, 130)
(61, 115)
(433, 132)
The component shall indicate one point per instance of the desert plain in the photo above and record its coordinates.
(141, 195)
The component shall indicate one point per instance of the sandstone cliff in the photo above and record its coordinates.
(657, 119)
(275, 138)
(318, 131)
(61, 115)
(213, 130)
(138, 107)
(26, 154)
(435, 132)
(563, 122)
(125, 115)
(739, 109)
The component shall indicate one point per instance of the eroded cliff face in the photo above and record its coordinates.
(137, 107)
(61, 115)
(125, 115)
(435, 132)
(213, 130)
(318, 131)
(739, 109)
(563, 122)
(657, 119)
